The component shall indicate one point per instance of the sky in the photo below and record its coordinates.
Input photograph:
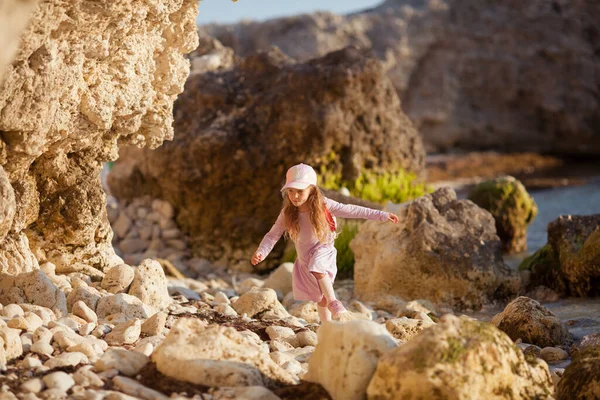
(226, 11)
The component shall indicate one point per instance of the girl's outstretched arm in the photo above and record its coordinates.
(352, 211)
(269, 241)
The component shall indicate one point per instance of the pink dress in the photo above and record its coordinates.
(313, 256)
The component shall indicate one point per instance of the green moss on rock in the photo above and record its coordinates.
(512, 207)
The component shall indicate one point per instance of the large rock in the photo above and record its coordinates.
(460, 359)
(215, 356)
(85, 79)
(346, 356)
(581, 379)
(443, 249)
(239, 130)
(517, 76)
(570, 262)
(512, 207)
(526, 319)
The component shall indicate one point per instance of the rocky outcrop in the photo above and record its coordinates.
(512, 207)
(85, 79)
(239, 131)
(443, 249)
(581, 379)
(526, 319)
(518, 76)
(444, 357)
(570, 262)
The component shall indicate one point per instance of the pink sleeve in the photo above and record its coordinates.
(351, 211)
(272, 237)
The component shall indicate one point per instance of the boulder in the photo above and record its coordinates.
(581, 379)
(443, 358)
(511, 206)
(570, 262)
(526, 319)
(443, 249)
(471, 74)
(215, 356)
(338, 112)
(80, 85)
(346, 355)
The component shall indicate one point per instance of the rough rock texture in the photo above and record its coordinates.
(512, 207)
(215, 356)
(238, 131)
(581, 379)
(442, 359)
(570, 262)
(346, 356)
(528, 320)
(471, 74)
(14, 16)
(86, 77)
(442, 250)
(32, 288)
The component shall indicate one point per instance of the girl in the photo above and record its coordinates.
(307, 217)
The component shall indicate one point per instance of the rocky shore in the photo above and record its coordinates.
(149, 294)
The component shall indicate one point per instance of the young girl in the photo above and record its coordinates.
(307, 217)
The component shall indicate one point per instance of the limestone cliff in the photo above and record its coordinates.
(87, 78)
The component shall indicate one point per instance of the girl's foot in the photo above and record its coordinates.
(337, 308)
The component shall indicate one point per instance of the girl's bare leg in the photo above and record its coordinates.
(324, 313)
(328, 295)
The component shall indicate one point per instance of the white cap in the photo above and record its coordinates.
(300, 176)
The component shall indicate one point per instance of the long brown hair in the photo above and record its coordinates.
(318, 219)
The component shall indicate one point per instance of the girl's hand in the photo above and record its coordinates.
(256, 258)
(393, 218)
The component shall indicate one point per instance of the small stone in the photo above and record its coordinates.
(26, 341)
(226, 309)
(12, 311)
(549, 354)
(222, 298)
(85, 377)
(34, 385)
(307, 338)
(127, 362)
(125, 333)
(18, 322)
(154, 325)
(82, 310)
(67, 360)
(279, 332)
(42, 348)
(29, 362)
(42, 333)
(280, 345)
(59, 380)
(118, 278)
(144, 348)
